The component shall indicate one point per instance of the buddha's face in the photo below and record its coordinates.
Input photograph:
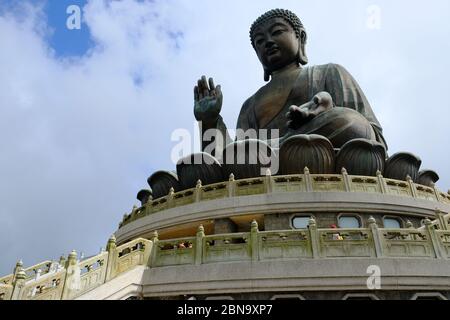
(276, 44)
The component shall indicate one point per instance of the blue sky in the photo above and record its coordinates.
(88, 115)
(66, 42)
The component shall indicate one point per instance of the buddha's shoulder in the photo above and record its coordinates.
(326, 68)
(248, 105)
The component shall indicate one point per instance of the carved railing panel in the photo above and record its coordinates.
(398, 188)
(289, 184)
(346, 243)
(227, 247)
(365, 184)
(284, 245)
(444, 238)
(183, 198)
(250, 187)
(48, 287)
(131, 254)
(5, 291)
(174, 252)
(426, 193)
(7, 280)
(447, 221)
(406, 243)
(214, 191)
(93, 272)
(159, 205)
(327, 183)
(445, 197)
(41, 268)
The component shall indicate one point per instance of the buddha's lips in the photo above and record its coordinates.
(272, 51)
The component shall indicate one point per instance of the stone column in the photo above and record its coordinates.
(199, 245)
(72, 282)
(254, 241)
(346, 179)
(382, 182)
(314, 238)
(19, 283)
(231, 186)
(111, 264)
(435, 241)
(376, 237)
(155, 249)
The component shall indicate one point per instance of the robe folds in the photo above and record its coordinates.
(332, 78)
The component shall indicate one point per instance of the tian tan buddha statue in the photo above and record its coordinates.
(320, 115)
(323, 100)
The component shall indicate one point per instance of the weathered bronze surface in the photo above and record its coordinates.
(316, 117)
(361, 157)
(312, 151)
(401, 165)
(200, 166)
(323, 100)
(162, 181)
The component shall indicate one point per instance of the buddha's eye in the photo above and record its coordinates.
(259, 41)
(277, 32)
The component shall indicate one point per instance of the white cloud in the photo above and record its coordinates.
(79, 138)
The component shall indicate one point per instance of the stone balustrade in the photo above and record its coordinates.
(73, 278)
(293, 183)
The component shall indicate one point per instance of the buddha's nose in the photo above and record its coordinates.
(269, 43)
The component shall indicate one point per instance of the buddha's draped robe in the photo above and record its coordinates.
(332, 78)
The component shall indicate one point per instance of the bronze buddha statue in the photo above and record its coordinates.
(311, 119)
(323, 100)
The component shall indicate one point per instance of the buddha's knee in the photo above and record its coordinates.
(341, 125)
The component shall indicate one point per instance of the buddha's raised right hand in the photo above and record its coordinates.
(208, 102)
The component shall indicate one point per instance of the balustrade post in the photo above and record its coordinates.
(440, 217)
(17, 268)
(199, 245)
(170, 198)
(18, 283)
(111, 264)
(133, 213)
(308, 181)
(231, 186)
(153, 254)
(62, 262)
(254, 246)
(437, 193)
(382, 182)
(72, 281)
(268, 182)
(376, 237)
(314, 238)
(435, 241)
(412, 186)
(346, 179)
(198, 191)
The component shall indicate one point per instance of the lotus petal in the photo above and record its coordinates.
(428, 178)
(162, 181)
(199, 166)
(313, 151)
(247, 159)
(361, 157)
(401, 165)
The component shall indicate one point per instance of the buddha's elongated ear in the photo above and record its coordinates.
(302, 57)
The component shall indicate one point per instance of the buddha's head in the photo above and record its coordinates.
(279, 39)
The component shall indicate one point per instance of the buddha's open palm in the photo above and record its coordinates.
(208, 101)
